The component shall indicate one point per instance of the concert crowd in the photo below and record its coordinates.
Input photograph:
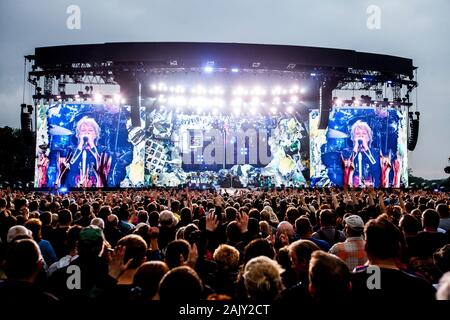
(305, 246)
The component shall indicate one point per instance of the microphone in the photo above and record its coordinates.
(85, 142)
(360, 144)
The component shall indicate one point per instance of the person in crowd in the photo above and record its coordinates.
(429, 239)
(218, 234)
(223, 280)
(444, 215)
(35, 225)
(23, 264)
(147, 278)
(304, 231)
(94, 271)
(329, 279)
(352, 250)
(300, 253)
(58, 239)
(386, 281)
(73, 236)
(181, 284)
(262, 279)
(328, 230)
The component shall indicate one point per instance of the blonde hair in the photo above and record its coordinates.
(90, 122)
(364, 126)
(226, 257)
(262, 278)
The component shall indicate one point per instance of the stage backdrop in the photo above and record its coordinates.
(361, 147)
(196, 150)
(88, 145)
(95, 145)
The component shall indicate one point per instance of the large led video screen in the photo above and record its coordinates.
(361, 147)
(220, 150)
(88, 146)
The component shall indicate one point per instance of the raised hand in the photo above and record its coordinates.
(42, 168)
(242, 221)
(102, 168)
(385, 163)
(211, 222)
(192, 256)
(349, 169)
(116, 265)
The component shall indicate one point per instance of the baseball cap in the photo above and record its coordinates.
(354, 222)
(91, 233)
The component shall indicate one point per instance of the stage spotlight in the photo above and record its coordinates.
(273, 110)
(171, 101)
(276, 91)
(276, 100)
(239, 91)
(313, 74)
(123, 101)
(201, 90)
(202, 102)
(208, 69)
(192, 101)
(236, 102)
(117, 98)
(257, 91)
(234, 70)
(294, 99)
(338, 102)
(253, 110)
(98, 97)
(302, 90)
(154, 87)
(294, 89)
(180, 101)
(180, 89)
(255, 101)
(218, 102)
(218, 91)
(162, 87)
(289, 109)
(237, 110)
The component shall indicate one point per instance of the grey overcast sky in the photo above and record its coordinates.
(414, 29)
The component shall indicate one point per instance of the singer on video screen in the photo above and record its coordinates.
(363, 167)
(87, 165)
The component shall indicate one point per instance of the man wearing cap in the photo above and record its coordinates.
(93, 269)
(352, 249)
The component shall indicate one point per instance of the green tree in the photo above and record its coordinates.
(17, 155)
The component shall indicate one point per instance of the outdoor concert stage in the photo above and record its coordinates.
(121, 115)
